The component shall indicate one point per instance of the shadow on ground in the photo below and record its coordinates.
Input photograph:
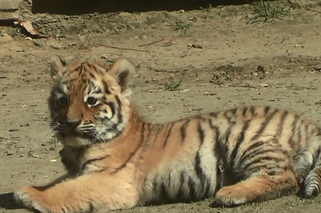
(75, 7)
(7, 201)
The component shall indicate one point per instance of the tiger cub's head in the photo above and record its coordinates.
(88, 103)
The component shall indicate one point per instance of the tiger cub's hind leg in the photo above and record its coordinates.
(258, 187)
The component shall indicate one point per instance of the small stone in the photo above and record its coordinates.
(9, 152)
(37, 43)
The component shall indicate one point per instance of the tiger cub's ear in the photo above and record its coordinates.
(124, 72)
(56, 67)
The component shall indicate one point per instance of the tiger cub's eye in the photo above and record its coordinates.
(92, 101)
(63, 101)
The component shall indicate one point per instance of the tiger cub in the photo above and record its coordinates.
(116, 160)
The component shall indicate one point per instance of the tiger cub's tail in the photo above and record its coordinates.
(307, 166)
(312, 181)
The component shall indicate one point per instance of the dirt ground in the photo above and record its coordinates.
(221, 60)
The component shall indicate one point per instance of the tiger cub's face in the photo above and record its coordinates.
(89, 104)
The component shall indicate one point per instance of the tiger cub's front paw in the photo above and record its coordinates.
(27, 197)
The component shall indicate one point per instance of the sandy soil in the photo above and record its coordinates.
(222, 62)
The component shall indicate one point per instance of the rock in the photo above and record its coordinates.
(9, 5)
(8, 16)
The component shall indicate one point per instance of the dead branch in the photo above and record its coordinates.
(150, 43)
(121, 48)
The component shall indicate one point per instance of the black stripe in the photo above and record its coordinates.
(217, 144)
(146, 141)
(303, 135)
(252, 110)
(264, 125)
(213, 114)
(306, 132)
(89, 210)
(164, 194)
(211, 124)
(183, 129)
(234, 111)
(98, 91)
(65, 82)
(198, 169)
(291, 141)
(218, 177)
(106, 89)
(250, 166)
(192, 190)
(244, 111)
(91, 87)
(149, 132)
(200, 117)
(87, 162)
(228, 131)
(299, 135)
(315, 131)
(155, 185)
(169, 129)
(228, 118)
(142, 132)
(281, 124)
(120, 116)
(181, 194)
(80, 72)
(201, 133)
(200, 172)
(112, 108)
(79, 68)
(256, 153)
(64, 72)
(91, 66)
(114, 128)
(219, 151)
(274, 169)
(208, 192)
(252, 148)
(127, 160)
(239, 142)
(267, 109)
(63, 62)
(92, 75)
(268, 167)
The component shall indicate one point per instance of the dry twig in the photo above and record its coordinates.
(150, 43)
(122, 48)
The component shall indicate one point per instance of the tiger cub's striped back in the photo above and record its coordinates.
(220, 149)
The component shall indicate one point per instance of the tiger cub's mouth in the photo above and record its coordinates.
(75, 138)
